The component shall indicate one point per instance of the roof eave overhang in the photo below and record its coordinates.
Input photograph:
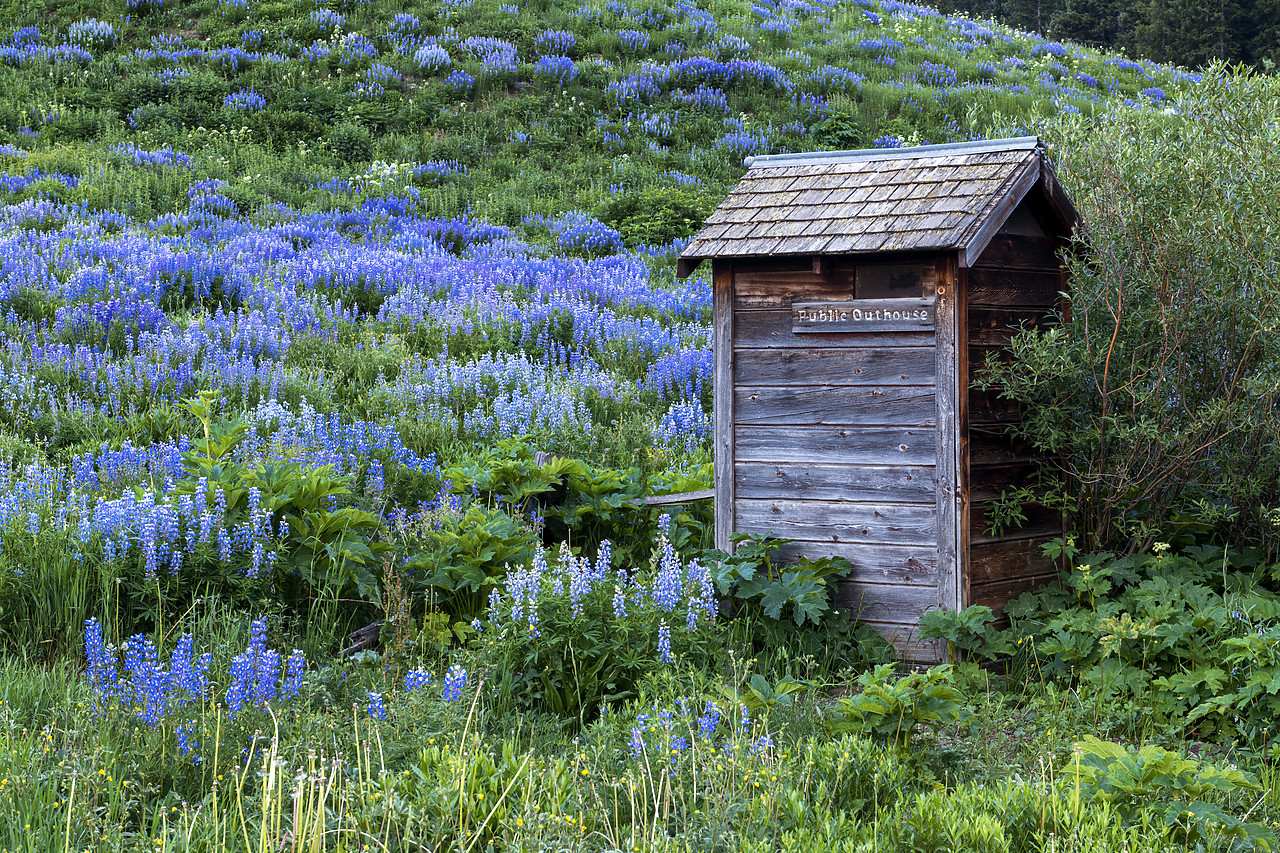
(974, 241)
(1035, 175)
(686, 266)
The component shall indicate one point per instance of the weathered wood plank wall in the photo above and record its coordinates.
(835, 438)
(1016, 282)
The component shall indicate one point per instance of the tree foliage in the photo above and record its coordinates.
(1158, 393)
(1190, 33)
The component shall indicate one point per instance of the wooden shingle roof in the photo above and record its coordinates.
(878, 200)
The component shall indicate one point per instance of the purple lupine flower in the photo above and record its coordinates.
(579, 583)
(187, 673)
(454, 681)
(101, 661)
(636, 742)
(460, 80)
(664, 643)
(255, 564)
(678, 745)
(668, 585)
(558, 41)
(416, 680)
(560, 69)
(709, 720)
(295, 669)
(148, 681)
(185, 744)
(267, 680)
(241, 677)
(377, 708)
(255, 673)
(244, 99)
(620, 597)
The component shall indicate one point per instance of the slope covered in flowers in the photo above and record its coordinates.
(385, 240)
(202, 196)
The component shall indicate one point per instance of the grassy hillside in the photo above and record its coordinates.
(543, 108)
(294, 300)
(217, 149)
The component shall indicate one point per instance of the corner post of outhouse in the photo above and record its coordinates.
(953, 434)
(722, 306)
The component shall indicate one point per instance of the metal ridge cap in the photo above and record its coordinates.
(820, 158)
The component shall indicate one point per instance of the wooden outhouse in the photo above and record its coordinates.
(856, 293)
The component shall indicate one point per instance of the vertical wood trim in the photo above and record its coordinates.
(948, 493)
(722, 308)
(963, 381)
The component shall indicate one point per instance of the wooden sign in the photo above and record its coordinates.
(863, 315)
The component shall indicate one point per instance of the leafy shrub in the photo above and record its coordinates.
(351, 143)
(1157, 394)
(891, 710)
(1156, 783)
(759, 695)
(655, 216)
(468, 556)
(572, 500)
(751, 577)
(1180, 642)
(839, 131)
(969, 633)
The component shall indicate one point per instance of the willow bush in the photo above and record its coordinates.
(1157, 392)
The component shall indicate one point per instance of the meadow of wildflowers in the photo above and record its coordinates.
(313, 318)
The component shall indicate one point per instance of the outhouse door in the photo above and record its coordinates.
(846, 435)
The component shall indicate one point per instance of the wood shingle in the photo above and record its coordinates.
(926, 198)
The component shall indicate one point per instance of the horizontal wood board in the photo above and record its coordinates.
(997, 561)
(840, 521)
(996, 326)
(834, 406)
(873, 564)
(761, 284)
(835, 482)
(997, 595)
(1018, 251)
(819, 366)
(844, 445)
(992, 445)
(907, 645)
(1039, 522)
(885, 602)
(999, 288)
(990, 482)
